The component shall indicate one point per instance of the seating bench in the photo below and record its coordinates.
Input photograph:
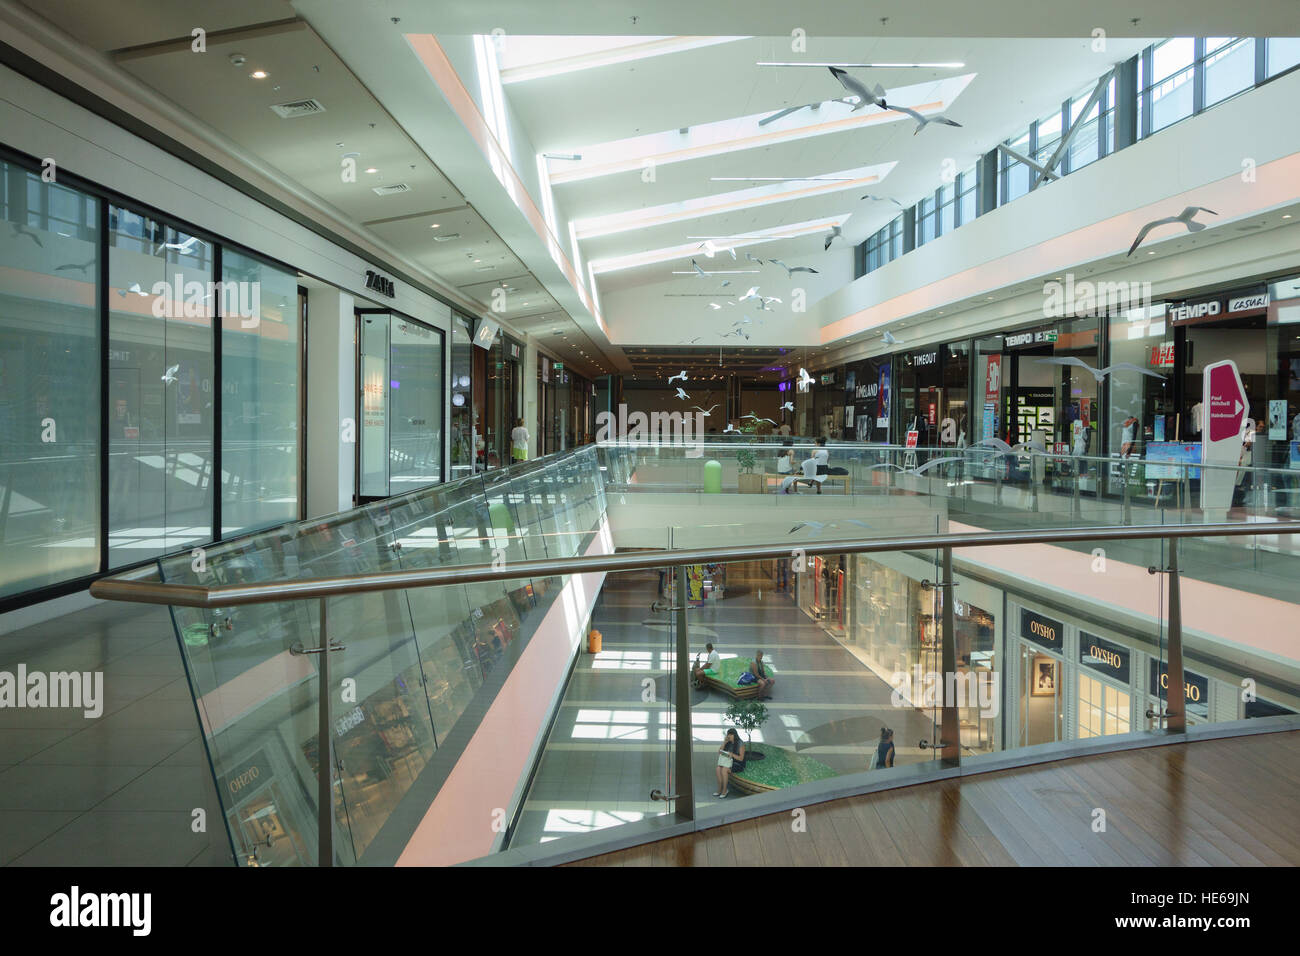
(729, 671)
(772, 478)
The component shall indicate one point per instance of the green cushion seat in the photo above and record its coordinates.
(779, 768)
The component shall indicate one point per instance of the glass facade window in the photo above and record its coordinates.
(925, 222)
(1015, 174)
(966, 206)
(1281, 54)
(1047, 134)
(1229, 67)
(50, 352)
(1170, 89)
(1085, 145)
(947, 220)
(1102, 709)
(261, 373)
(162, 304)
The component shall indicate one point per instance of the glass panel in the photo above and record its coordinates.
(49, 383)
(415, 413)
(160, 388)
(374, 405)
(1171, 87)
(260, 359)
(1229, 70)
(1282, 53)
(465, 425)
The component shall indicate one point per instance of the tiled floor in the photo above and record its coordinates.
(120, 789)
(611, 743)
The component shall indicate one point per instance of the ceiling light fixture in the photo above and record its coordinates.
(782, 179)
(569, 156)
(869, 66)
(259, 74)
(372, 169)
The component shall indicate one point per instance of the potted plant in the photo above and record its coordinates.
(748, 715)
(748, 482)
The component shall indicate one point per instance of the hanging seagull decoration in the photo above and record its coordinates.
(681, 394)
(888, 338)
(787, 407)
(20, 230)
(923, 121)
(791, 270)
(804, 379)
(865, 97)
(680, 375)
(702, 411)
(1185, 217)
(730, 428)
(835, 233)
(883, 199)
(751, 294)
(753, 258)
(170, 375)
(1100, 373)
(696, 266)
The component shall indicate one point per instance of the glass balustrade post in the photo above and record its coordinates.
(324, 783)
(1176, 701)
(950, 722)
(684, 785)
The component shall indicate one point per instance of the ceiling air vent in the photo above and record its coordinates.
(449, 238)
(390, 190)
(298, 108)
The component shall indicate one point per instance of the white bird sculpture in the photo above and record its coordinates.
(1100, 373)
(680, 375)
(682, 395)
(170, 375)
(1185, 217)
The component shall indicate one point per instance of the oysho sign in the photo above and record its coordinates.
(1101, 655)
(1041, 630)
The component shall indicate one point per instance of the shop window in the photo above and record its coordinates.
(160, 386)
(49, 383)
(260, 371)
(1103, 709)
(1015, 174)
(465, 437)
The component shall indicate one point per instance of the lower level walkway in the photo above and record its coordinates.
(1227, 802)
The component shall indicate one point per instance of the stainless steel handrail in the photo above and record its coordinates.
(130, 588)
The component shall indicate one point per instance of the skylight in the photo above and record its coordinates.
(744, 132)
(533, 57)
(731, 201)
(692, 247)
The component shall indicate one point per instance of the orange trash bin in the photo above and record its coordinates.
(593, 642)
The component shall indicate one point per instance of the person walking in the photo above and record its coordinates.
(519, 441)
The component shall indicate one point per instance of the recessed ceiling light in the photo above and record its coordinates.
(372, 169)
(433, 226)
(259, 74)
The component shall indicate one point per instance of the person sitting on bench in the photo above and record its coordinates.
(710, 667)
(823, 457)
(809, 476)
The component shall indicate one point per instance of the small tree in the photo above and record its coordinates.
(747, 460)
(748, 715)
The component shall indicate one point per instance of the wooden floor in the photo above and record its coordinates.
(1230, 802)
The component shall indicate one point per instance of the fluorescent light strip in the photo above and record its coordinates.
(720, 272)
(872, 66)
(780, 179)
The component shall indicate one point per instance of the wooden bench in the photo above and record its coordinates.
(729, 671)
(779, 768)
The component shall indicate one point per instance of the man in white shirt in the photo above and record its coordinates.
(519, 441)
(710, 668)
(809, 475)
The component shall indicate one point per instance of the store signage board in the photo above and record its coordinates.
(1211, 308)
(381, 284)
(925, 358)
(993, 378)
(1196, 688)
(1042, 630)
(911, 438)
(1021, 339)
(1224, 400)
(1101, 655)
(486, 333)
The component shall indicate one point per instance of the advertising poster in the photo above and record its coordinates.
(992, 378)
(883, 399)
(1277, 419)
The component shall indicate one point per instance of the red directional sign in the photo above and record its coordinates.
(1227, 401)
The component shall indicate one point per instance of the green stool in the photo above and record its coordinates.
(712, 477)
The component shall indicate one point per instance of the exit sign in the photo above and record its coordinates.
(1050, 336)
(558, 365)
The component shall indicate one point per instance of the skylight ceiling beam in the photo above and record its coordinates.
(728, 202)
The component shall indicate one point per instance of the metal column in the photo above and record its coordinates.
(1175, 699)
(950, 722)
(683, 786)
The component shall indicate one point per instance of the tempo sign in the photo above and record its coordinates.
(1223, 399)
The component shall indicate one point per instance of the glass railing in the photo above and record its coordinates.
(416, 669)
(899, 635)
